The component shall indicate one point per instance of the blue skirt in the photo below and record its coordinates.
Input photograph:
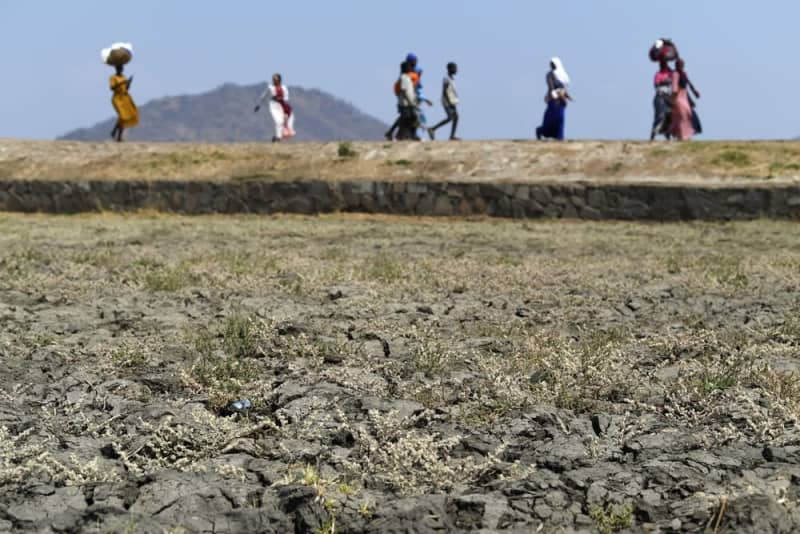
(553, 122)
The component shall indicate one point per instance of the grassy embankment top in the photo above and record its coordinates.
(485, 161)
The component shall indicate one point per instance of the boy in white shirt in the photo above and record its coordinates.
(450, 103)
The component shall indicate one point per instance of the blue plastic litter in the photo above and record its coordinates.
(241, 405)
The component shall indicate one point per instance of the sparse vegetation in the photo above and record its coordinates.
(345, 150)
(612, 519)
(339, 160)
(130, 355)
(224, 362)
(383, 268)
(734, 158)
(168, 278)
(431, 355)
(383, 362)
(241, 336)
(783, 168)
(726, 270)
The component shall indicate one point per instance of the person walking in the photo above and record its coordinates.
(127, 112)
(681, 121)
(449, 102)
(413, 61)
(662, 101)
(696, 124)
(557, 97)
(422, 119)
(279, 107)
(407, 105)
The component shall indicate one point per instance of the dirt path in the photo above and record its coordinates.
(404, 375)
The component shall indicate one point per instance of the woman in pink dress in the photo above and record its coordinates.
(681, 124)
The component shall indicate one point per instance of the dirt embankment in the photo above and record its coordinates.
(485, 161)
(402, 375)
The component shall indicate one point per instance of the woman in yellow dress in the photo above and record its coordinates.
(127, 113)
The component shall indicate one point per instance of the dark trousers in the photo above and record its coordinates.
(407, 123)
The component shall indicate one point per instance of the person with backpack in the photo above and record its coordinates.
(450, 103)
(412, 61)
(407, 103)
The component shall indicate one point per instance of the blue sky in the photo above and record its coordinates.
(739, 53)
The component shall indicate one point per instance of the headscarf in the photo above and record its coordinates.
(559, 72)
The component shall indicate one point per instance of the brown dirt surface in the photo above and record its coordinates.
(490, 161)
(403, 375)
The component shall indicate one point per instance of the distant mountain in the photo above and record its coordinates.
(226, 115)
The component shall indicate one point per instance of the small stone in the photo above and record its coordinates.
(651, 498)
(775, 454)
(243, 446)
(542, 511)
(634, 304)
(42, 489)
(66, 521)
(556, 499)
(292, 497)
(632, 447)
(335, 294)
(427, 310)
(482, 444)
(290, 329)
(333, 359)
(596, 494)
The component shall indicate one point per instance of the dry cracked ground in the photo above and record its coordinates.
(397, 375)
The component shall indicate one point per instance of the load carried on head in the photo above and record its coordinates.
(674, 109)
(663, 50)
(118, 54)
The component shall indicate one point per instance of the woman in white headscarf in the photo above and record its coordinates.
(557, 97)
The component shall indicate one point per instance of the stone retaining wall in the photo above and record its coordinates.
(582, 201)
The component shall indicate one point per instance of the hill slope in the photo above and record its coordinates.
(226, 115)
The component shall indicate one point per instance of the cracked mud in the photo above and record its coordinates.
(397, 375)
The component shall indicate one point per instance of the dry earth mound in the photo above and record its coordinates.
(478, 161)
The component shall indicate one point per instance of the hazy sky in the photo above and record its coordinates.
(740, 54)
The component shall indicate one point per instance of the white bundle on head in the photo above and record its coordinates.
(116, 49)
